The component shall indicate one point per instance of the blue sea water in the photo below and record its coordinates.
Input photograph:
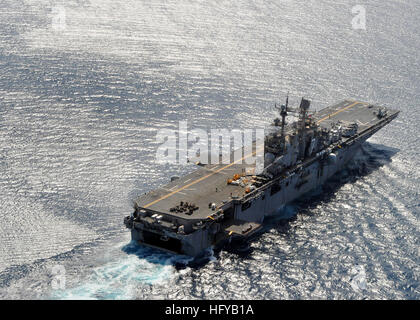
(86, 84)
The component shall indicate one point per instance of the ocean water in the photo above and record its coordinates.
(86, 84)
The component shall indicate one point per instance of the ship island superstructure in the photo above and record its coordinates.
(220, 202)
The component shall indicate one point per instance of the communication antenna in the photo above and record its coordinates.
(284, 108)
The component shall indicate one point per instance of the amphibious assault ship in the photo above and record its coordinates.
(221, 202)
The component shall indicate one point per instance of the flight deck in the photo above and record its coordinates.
(208, 184)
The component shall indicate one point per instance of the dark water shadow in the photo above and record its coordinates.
(156, 256)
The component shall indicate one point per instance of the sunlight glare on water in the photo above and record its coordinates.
(85, 85)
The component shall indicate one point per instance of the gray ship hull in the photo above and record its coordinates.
(242, 216)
